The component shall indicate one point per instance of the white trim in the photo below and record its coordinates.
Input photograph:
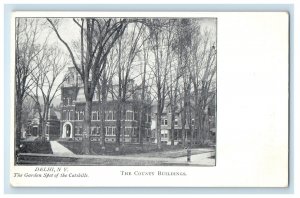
(64, 135)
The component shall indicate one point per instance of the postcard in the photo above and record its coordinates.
(149, 99)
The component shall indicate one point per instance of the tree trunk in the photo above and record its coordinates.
(102, 109)
(158, 132)
(123, 118)
(18, 122)
(44, 123)
(183, 133)
(103, 125)
(118, 125)
(87, 127)
(172, 125)
(143, 108)
(142, 125)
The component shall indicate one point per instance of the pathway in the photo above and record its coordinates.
(59, 149)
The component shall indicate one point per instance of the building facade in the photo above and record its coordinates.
(73, 110)
(209, 121)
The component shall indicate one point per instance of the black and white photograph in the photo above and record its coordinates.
(148, 99)
(115, 91)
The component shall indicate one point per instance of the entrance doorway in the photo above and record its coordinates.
(67, 130)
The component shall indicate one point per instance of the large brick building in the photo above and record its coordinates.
(210, 124)
(73, 108)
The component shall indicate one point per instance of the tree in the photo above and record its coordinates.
(104, 87)
(47, 81)
(175, 74)
(97, 37)
(181, 45)
(127, 48)
(28, 105)
(142, 118)
(161, 42)
(202, 73)
(27, 48)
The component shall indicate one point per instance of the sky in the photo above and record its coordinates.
(70, 32)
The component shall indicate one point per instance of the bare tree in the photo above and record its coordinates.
(104, 87)
(202, 74)
(174, 75)
(47, 79)
(27, 48)
(142, 117)
(28, 105)
(128, 46)
(161, 46)
(97, 37)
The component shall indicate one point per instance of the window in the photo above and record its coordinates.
(166, 122)
(134, 131)
(98, 130)
(94, 115)
(76, 115)
(109, 115)
(129, 115)
(111, 131)
(81, 116)
(65, 115)
(128, 131)
(68, 115)
(176, 122)
(94, 131)
(193, 122)
(80, 130)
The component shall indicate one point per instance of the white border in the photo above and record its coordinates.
(265, 168)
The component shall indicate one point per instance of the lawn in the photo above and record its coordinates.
(36, 146)
(127, 149)
(148, 150)
(170, 154)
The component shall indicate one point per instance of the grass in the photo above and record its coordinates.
(37, 146)
(171, 154)
(148, 150)
(127, 149)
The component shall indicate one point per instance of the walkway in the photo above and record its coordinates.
(59, 149)
(198, 159)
